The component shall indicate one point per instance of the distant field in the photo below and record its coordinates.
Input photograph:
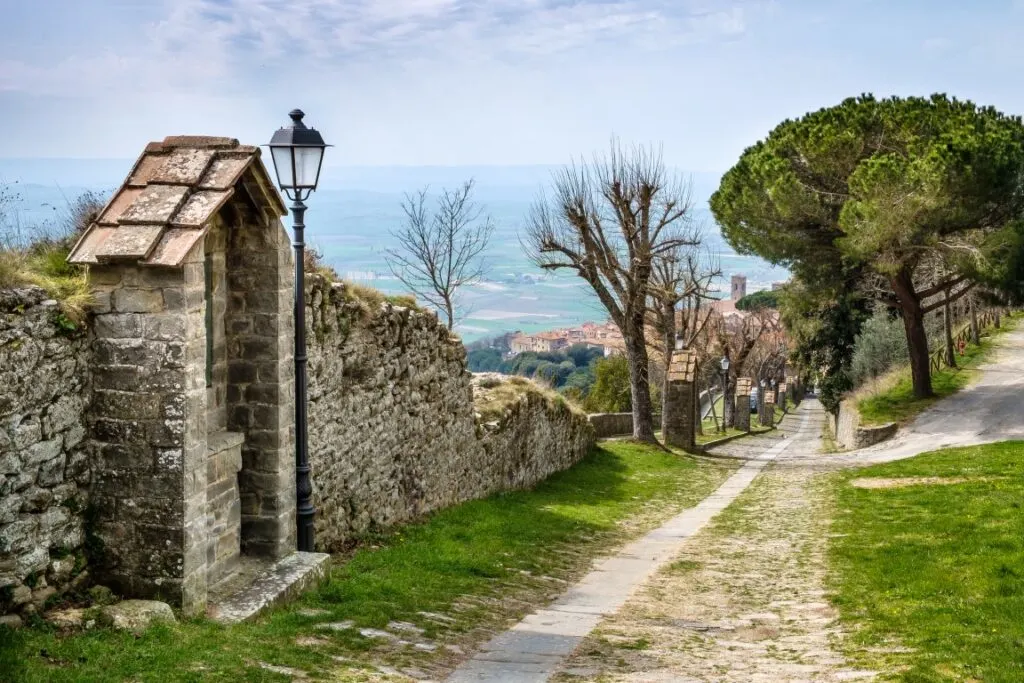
(350, 218)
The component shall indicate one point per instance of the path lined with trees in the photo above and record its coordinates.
(748, 598)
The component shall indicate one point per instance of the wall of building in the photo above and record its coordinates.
(44, 469)
(393, 432)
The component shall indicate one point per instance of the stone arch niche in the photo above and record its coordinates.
(191, 419)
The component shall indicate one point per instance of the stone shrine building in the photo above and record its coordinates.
(192, 407)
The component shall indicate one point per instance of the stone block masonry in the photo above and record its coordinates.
(393, 430)
(44, 464)
(148, 424)
(742, 411)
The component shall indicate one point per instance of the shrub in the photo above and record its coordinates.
(880, 345)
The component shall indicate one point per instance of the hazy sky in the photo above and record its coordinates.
(481, 81)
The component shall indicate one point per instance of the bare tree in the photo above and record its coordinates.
(680, 285)
(738, 337)
(608, 221)
(441, 252)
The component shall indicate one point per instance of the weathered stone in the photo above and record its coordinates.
(368, 410)
(60, 569)
(66, 618)
(10, 504)
(36, 500)
(51, 472)
(27, 433)
(128, 300)
(118, 325)
(138, 615)
(10, 621)
(10, 463)
(41, 595)
(64, 413)
(41, 452)
(21, 595)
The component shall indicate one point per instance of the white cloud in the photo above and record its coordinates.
(199, 45)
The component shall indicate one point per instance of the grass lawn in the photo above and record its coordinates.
(478, 565)
(936, 569)
(895, 402)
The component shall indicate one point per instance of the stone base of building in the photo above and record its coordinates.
(259, 583)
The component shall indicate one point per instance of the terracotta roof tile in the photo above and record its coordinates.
(173, 191)
(155, 204)
(144, 171)
(174, 246)
(131, 244)
(224, 172)
(683, 367)
(200, 141)
(183, 166)
(117, 206)
(200, 207)
(90, 243)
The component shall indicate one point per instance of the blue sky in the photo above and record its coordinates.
(461, 82)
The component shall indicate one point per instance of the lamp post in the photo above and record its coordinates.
(724, 364)
(298, 153)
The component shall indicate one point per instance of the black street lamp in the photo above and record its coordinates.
(298, 153)
(724, 364)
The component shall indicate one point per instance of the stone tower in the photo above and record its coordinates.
(739, 287)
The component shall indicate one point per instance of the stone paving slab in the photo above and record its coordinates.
(533, 649)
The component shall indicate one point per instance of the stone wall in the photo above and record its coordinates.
(393, 432)
(116, 427)
(44, 468)
(851, 435)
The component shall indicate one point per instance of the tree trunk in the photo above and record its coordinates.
(975, 331)
(917, 338)
(714, 413)
(947, 325)
(729, 402)
(667, 407)
(640, 387)
(449, 310)
(996, 322)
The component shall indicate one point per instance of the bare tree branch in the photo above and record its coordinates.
(608, 221)
(440, 253)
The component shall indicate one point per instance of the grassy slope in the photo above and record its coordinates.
(496, 551)
(896, 402)
(938, 569)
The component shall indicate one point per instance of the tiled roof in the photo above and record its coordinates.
(165, 206)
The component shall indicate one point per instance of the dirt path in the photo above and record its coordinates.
(744, 600)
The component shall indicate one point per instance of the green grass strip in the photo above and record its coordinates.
(936, 568)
